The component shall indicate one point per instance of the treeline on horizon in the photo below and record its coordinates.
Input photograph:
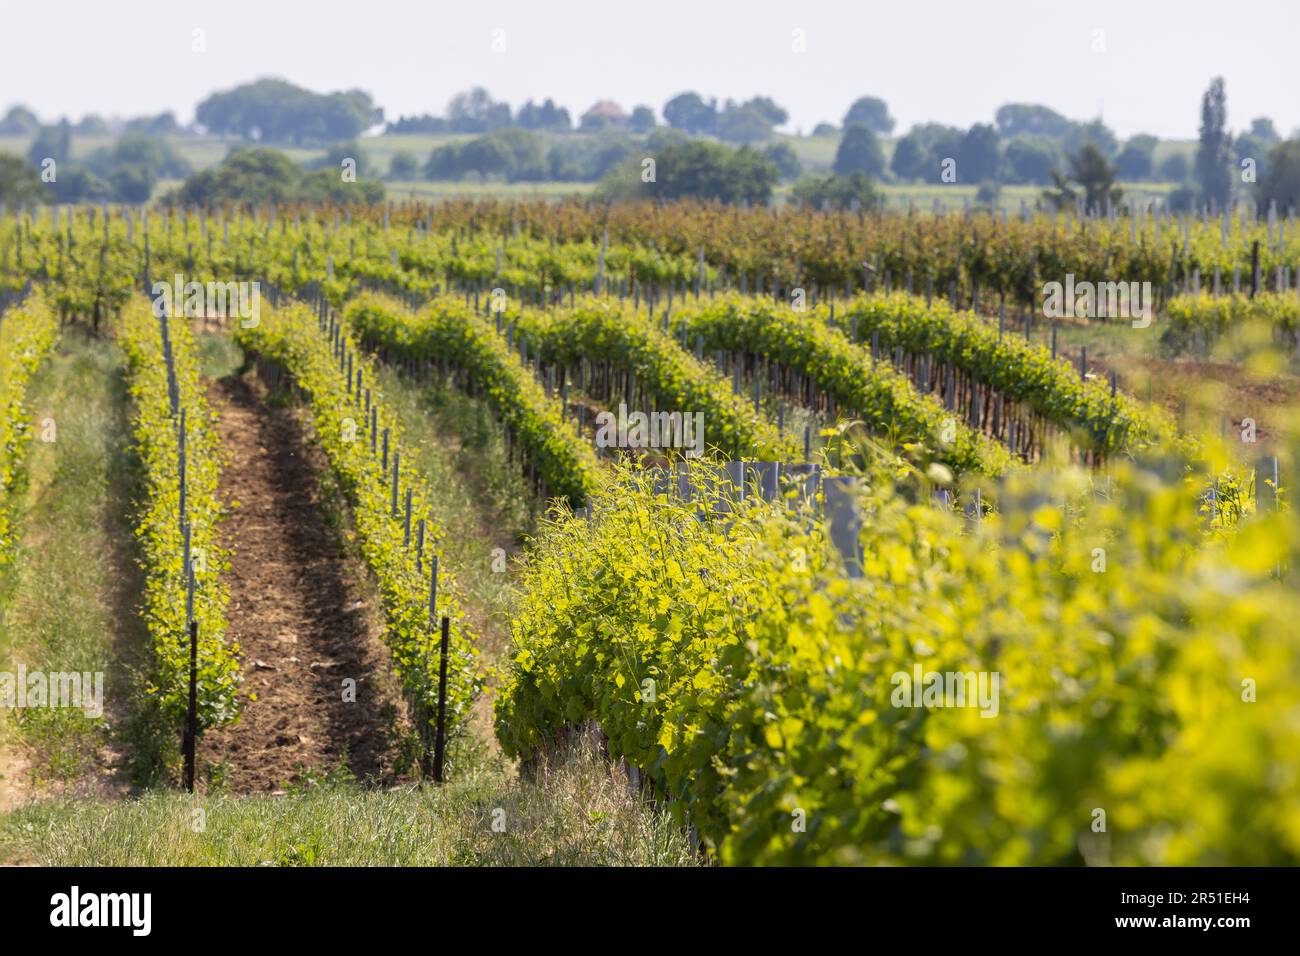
(702, 149)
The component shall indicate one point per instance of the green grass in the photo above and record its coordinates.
(480, 498)
(576, 811)
(219, 356)
(67, 599)
(817, 153)
(923, 195)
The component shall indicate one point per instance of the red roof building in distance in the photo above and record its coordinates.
(604, 113)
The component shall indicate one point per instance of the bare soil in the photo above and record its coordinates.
(295, 611)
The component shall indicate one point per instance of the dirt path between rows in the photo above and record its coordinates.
(294, 612)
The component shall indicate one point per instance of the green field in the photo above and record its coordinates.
(817, 153)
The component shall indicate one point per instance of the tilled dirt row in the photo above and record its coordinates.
(302, 630)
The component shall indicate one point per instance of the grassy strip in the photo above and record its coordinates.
(313, 356)
(159, 531)
(449, 331)
(477, 495)
(28, 333)
(575, 812)
(75, 531)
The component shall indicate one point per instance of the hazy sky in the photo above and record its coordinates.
(952, 62)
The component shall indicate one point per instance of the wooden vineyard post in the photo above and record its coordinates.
(845, 520)
(426, 759)
(192, 715)
(1266, 484)
(440, 730)
(1254, 269)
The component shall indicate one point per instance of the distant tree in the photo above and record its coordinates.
(126, 172)
(859, 152)
(587, 158)
(939, 143)
(92, 124)
(1174, 168)
(403, 165)
(1134, 161)
(1214, 151)
(527, 155)
(485, 156)
(979, 156)
(825, 129)
(511, 154)
(568, 160)
(785, 158)
(689, 112)
(1281, 185)
(837, 192)
(704, 171)
(1094, 177)
(132, 184)
(1095, 132)
(448, 163)
(77, 184)
(51, 142)
(743, 124)
(546, 116)
(425, 123)
(250, 176)
(1029, 161)
(1248, 146)
(642, 119)
(259, 175)
(696, 169)
(1261, 127)
(278, 111)
(662, 138)
(871, 112)
(766, 107)
(474, 111)
(20, 184)
(19, 121)
(911, 160)
(324, 186)
(338, 152)
(164, 124)
(135, 163)
(1030, 119)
